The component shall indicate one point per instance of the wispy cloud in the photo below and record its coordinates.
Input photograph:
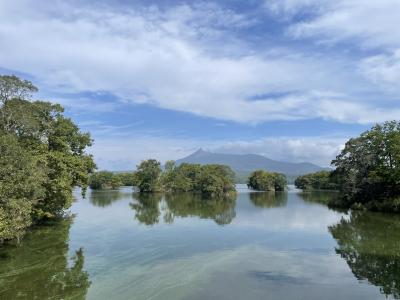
(287, 60)
(124, 153)
(185, 57)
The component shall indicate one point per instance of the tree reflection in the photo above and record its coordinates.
(370, 244)
(149, 207)
(147, 210)
(221, 210)
(323, 198)
(268, 199)
(39, 268)
(103, 198)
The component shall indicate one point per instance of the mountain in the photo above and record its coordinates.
(243, 164)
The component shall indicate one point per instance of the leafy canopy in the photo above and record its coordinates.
(261, 180)
(43, 158)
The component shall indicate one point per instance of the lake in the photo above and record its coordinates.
(288, 245)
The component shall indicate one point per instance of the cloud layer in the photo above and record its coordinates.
(190, 57)
(276, 60)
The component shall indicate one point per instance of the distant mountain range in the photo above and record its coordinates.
(243, 164)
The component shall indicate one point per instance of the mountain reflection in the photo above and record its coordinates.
(39, 268)
(149, 208)
(268, 199)
(370, 244)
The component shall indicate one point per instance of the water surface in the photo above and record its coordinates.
(122, 245)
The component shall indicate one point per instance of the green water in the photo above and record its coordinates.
(120, 245)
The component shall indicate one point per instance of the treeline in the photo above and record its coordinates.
(322, 180)
(211, 180)
(108, 180)
(42, 158)
(367, 172)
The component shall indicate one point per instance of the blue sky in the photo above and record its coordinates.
(289, 79)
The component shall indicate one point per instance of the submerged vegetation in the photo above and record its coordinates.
(261, 180)
(42, 158)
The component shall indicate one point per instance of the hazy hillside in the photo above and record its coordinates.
(243, 164)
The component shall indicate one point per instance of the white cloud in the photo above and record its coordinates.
(363, 24)
(384, 70)
(125, 152)
(182, 58)
(372, 22)
(318, 150)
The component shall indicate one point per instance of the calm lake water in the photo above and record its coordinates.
(121, 245)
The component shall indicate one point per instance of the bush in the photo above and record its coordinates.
(211, 180)
(261, 180)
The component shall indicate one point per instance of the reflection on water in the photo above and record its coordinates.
(268, 199)
(104, 198)
(370, 244)
(322, 197)
(286, 245)
(222, 211)
(39, 267)
(149, 207)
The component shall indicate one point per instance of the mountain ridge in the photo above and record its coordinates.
(245, 163)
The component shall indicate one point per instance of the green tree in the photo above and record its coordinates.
(261, 180)
(322, 180)
(211, 180)
(105, 180)
(368, 169)
(148, 176)
(21, 187)
(46, 141)
(127, 178)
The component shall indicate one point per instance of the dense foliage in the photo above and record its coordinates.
(105, 180)
(127, 178)
(368, 169)
(147, 176)
(42, 158)
(261, 180)
(322, 180)
(211, 180)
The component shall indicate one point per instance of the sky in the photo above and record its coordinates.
(288, 79)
